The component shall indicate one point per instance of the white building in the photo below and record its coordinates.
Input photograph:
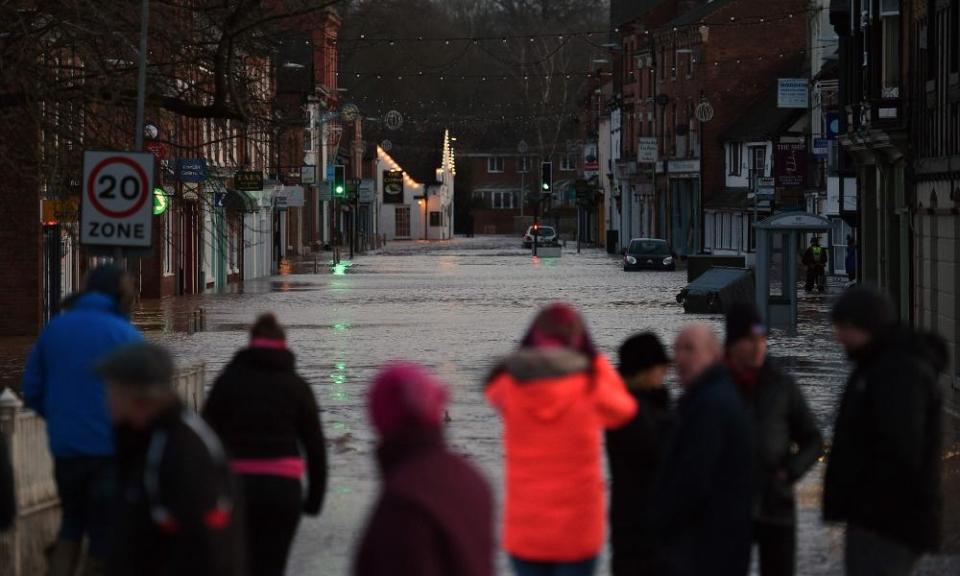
(418, 210)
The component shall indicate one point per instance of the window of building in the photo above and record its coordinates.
(568, 163)
(890, 31)
(307, 140)
(436, 219)
(495, 164)
(523, 164)
(503, 200)
(734, 149)
(758, 162)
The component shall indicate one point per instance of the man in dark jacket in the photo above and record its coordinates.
(705, 491)
(883, 474)
(60, 384)
(635, 453)
(434, 516)
(177, 516)
(786, 438)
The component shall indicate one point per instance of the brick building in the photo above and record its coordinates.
(499, 182)
(675, 57)
(211, 235)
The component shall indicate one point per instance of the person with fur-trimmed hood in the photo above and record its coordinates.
(556, 395)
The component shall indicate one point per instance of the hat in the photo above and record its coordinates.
(143, 365)
(641, 352)
(865, 308)
(405, 395)
(743, 321)
(106, 279)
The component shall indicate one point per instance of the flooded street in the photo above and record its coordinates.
(457, 307)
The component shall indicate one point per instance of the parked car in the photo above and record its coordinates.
(547, 236)
(648, 254)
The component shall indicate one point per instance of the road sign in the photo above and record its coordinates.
(117, 190)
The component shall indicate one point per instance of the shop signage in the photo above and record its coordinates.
(647, 150)
(793, 93)
(393, 186)
(191, 169)
(308, 175)
(248, 181)
(790, 164)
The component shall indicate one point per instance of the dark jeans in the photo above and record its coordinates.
(87, 488)
(816, 277)
(526, 568)
(870, 554)
(273, 508)
(777, 545)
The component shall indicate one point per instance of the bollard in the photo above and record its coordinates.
(10, 553)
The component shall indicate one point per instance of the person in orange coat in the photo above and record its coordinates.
(556, 395)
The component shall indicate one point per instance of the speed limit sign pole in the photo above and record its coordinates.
(116, 208)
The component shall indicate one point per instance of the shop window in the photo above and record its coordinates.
(568, 163)
(890, 31)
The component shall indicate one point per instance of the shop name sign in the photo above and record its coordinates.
(647, 150)
(116, 205)
(191, 169)
(248, 181)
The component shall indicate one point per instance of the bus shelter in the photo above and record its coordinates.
(776, 267)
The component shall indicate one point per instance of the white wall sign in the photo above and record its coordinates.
(117, 208)
(647, 150)
(793, 93)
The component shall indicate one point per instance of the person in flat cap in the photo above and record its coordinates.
(782, 420)
(634, 453)
(177, 513)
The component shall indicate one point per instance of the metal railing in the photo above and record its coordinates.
(36, 491)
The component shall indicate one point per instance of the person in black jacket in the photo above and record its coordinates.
(705, 490)
(634, 453)
(8, 495)
(883, 473)
(269, 421)
(178, 513)
(787, 440)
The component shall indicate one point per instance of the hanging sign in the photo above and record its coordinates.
(393, 186)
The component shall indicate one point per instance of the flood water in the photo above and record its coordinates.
(457, 307)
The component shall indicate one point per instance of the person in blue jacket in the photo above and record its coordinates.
(60, 384)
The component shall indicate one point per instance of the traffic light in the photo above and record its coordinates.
(339, 180)
(546, 178)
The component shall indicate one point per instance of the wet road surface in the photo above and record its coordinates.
(456, 307)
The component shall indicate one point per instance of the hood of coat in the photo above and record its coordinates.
(265, 359)
(95, 301)
(546, 382)
(926, 347)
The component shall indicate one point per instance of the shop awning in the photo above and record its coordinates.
(237, 201)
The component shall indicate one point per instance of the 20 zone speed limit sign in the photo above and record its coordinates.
(116, 208)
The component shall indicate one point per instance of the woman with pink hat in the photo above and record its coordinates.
(556, 395)
(434, 514)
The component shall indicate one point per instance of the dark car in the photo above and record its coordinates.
(648, 254)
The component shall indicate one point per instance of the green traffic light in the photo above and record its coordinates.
(339, 190)
(546, 186)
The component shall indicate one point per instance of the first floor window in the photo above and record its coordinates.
(568, 163)
(495, 164)
(523, 164)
